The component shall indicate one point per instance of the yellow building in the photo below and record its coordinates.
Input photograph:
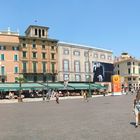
(38, 55)
(128, 68)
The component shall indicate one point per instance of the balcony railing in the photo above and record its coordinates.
(3, 73)
(39, 71)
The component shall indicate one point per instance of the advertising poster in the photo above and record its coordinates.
(102, 72)
(116, 85)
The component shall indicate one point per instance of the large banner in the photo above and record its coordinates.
(102, 72)
(116, 85)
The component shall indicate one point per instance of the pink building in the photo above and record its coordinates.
(9, 56)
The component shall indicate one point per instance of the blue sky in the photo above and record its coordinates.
(108, 24)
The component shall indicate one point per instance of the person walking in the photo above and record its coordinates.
(85, 96)
(48, 95)
(136, 106)
(57, 97)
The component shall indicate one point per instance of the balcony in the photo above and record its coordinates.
(38, 71)
(3, 74)
(131, 75)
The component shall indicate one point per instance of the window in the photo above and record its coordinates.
(52, 47)
(39, 32)
(35, 78)
(139, 70)
(34, 54)
(2, 47)
(133, 70)
(24, 64)
(95, 55)
(43, 46)
(53, 67)
(52, 56)
(15, 57)
(134, 78)
(43, 55)
(118, 66)
(43, 33)
(77, 66)
(15, 48)
(109, 58)
(87, 78)
(16, 69)
(2, 70)
(128, 63)
(86, 53)
(2, 57)
(66, 77)
(44, 66)
(129, 79)
(66, 51)
(118, 72)
(24, 54)
(86, 66)
(129, 71)
(102, 56)
(35, 31)
(77, 77)
(24, 45)
(66, 65)
(76, 53)
(34, 67)
(34, 46)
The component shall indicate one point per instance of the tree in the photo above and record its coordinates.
(20, 80)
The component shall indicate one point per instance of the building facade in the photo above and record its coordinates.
(38, 55)
(35, 56)
(9, 56)
(76, 62)
(41, 59)
(128, 68)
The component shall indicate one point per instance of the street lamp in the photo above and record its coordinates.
(89, 74)
(45, 78)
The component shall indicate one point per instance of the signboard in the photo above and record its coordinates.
(102, 72)
(116, 85)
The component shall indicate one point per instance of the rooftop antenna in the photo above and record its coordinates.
(8, 30)
(18, 31)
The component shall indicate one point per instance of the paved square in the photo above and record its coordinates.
(102, 118)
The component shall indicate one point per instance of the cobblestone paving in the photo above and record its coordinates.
(103, 118)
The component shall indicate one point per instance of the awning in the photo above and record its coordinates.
(81, 86)
(98, 86)
(57, 86)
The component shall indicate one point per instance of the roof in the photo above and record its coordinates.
(35, 26)
(46, 39)
(82, 46)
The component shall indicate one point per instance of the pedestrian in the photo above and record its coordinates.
(57, 97)
(104, 92)
(85, 96)
(137, 108)
(48, 95)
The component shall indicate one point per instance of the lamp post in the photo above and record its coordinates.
(45, 75)
(89, 74)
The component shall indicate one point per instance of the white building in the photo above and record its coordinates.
(76, 61)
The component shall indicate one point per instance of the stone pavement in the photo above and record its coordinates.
(41, 99)
(104, 118)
